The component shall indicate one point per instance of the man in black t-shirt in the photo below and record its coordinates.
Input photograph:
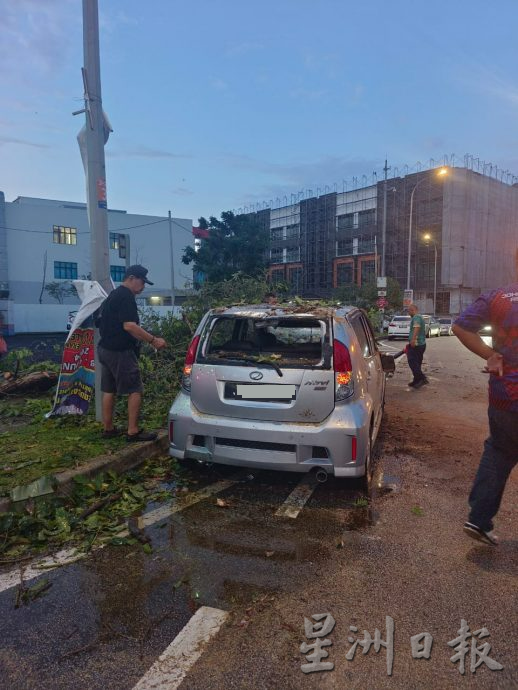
(118, 349)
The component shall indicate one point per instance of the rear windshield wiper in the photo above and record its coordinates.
(256, 362)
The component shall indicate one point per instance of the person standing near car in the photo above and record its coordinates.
(416, 347)
(118, 351)
(498, 308)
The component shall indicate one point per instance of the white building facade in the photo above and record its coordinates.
(45, 242)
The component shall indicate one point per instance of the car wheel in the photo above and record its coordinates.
(366, 480)
(391, 337)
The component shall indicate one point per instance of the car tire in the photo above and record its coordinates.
(366, 480)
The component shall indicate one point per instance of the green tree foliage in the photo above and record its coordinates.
(235, 244)
(59, 290)
(366, 296)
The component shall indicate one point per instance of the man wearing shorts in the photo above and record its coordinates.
(118, 351)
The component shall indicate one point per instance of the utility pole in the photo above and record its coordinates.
(91, 141)
(171, 258)
(384, 224)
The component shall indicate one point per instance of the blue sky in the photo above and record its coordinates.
(218, 104)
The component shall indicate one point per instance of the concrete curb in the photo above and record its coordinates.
(121, 461)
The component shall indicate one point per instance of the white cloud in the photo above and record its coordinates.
(35, 37)
(139, 151)
(219, 84)
(308, 94)
(242, 48)
(22, 142)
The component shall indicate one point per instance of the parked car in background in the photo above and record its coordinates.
(282, 388)
(399, 327)
(446, 324)
(432, 326)
(70, 319)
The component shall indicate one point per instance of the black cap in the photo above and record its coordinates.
(138, 272)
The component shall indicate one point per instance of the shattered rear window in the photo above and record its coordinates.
(286, 341)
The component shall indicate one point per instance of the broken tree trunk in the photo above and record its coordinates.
(37, 381)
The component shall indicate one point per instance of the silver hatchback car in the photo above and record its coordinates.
(282, 387)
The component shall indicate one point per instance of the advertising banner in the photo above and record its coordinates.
(76, 383)
(77, 377)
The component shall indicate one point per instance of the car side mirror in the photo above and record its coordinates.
(388, 364)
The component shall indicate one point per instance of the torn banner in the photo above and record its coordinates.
(77, 377)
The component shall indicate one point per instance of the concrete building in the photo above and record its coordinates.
(470, 220)
(45, 242)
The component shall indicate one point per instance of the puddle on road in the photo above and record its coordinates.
(221, 555)
(386, 485)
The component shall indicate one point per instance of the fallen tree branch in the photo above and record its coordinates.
(36, 381)
(99, 505)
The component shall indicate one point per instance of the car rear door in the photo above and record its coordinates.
(372, 359)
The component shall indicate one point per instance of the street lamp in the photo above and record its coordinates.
(440, 173)
(428, 238)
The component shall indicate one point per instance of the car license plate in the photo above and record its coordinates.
(267, 391)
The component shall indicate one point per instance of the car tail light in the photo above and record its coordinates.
(189, 361)
(344, 385)
(392, 324)
(171, 425)
(354, 446)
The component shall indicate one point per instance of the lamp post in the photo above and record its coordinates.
(440, 173)
(428, 238)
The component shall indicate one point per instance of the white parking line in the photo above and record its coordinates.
(389, 347)
(36, 568)
(190, 499)
(173, 664)
(298, 497)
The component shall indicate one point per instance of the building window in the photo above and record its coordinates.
(344, 274)
(114, 240)
(368, 272)
(117, 273)
(344, 247)
(64, 235)
(292, 254)
(159, 301)
(277, 276)
(295, 279)
(345, 222)
(65, 270)
(366, 245)
(425, 271)
(367, 217)
(276, 256)
(292, 232)
(276, 234)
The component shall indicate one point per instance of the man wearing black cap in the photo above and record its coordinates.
(118, 349)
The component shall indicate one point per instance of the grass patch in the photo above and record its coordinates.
(48, 446)
(34, 446)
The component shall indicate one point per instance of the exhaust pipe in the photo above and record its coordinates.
(321, 475)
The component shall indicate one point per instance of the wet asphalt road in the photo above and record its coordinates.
(105, 620)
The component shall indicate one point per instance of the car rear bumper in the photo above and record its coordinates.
(273, 445)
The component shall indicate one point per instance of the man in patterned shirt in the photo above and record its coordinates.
(499, 309)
